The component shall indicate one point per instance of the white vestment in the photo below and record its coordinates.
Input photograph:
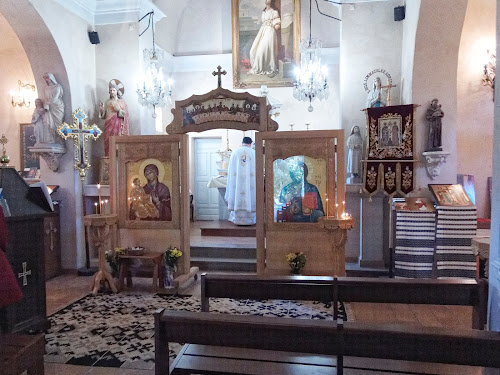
(265, 45)
(240, 190)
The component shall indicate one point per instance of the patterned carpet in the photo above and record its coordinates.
(116, 330)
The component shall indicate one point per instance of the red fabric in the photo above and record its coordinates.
(10, 291)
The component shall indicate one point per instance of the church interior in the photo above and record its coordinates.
(363, 196)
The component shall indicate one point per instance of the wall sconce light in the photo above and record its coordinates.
(489, 71)
(24, 96)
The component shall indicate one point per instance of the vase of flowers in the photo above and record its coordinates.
(113, 260)
(172, 254)
(297, 261)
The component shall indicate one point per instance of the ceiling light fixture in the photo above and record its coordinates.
(153, 91)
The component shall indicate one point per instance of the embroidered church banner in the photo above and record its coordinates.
(391, 148)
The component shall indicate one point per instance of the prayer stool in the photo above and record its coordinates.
(125, 261)
(20, 353)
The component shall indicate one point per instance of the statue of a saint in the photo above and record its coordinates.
(115, 113)
(354, 156)
(39, 119)
(53, 104)
(376, 97)
(434, 115)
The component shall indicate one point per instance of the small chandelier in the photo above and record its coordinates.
(153, 91)
(311, 78)
(24, 96)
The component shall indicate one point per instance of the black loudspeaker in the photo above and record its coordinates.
(94, 38)
(399, 13)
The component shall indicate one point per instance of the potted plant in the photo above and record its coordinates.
(297, 261)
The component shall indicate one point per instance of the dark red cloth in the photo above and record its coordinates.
(10, 291)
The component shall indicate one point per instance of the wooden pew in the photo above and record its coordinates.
(21, 353)
(268, 341)
(463, 292)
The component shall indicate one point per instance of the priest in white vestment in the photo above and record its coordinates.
(240, 190)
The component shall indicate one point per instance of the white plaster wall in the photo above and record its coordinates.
(56, 41)
(408, 49)
(15, 66)
(435, 76)
(204, 27)
(370, 39)
(494, 270)
(78, 54)
(122, 63)
(474, 101)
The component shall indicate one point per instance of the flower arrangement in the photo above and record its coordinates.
(171, 256)
(112, 259)
(297, 261)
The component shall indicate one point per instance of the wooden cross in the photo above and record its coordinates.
(24, 274)
(80, 131)
(219, 74)
(51, 231)
(388, 87)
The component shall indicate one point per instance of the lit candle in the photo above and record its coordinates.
(336, 210)
(99, 194)
(343, 207)
(105, 203)
(326, 195)
(95, 204)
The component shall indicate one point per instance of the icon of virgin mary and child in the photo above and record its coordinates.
(151, 201)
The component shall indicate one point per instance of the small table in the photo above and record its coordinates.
(125, 260)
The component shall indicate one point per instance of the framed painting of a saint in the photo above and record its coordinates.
(147, 183)
(266, 37)
(299, 189)
(450, 195)
(27, 137)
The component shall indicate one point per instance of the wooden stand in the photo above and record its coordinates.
(337, 238)
(99, 228)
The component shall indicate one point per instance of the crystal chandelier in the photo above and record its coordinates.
(153, 91)
(311, 79)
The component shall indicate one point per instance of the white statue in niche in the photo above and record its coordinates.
(376, 97)
(53, 104)
(354, 156)
(40, 123)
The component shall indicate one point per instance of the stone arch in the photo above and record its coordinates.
(35, 36)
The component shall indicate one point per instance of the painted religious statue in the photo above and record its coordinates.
(354, 156)
(434, 115)
(115, 113)
(376, 96)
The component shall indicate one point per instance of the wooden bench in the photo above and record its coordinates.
(299, 346)
(19, 353)
(463, 292)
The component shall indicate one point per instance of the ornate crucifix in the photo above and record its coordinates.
(219, 73)
(24, 274)
(80, 131)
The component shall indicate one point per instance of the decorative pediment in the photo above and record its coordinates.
(221, 109)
